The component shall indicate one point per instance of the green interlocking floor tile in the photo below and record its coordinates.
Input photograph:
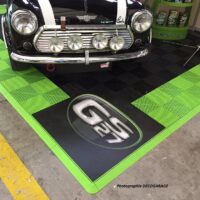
(35, 104)
(170, 89)
(176, 108)
(159, 96)
(191, 76)
(181, 83)
(30, 88)
(173, 100)
(55, 96)
(195, 91)
(4, 64)
(14, 83)
(4, 54)
(24, 93)
(196, 70)
(2, 46)
(197, 84)
(146, 104)
(28, 71)
(44, 86)
(163, 116)
(4, 77)
(8, 71)
(189, 99)
(33, 77)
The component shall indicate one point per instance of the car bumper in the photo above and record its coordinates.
(87, 59)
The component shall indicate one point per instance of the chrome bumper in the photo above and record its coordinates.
(77, 60)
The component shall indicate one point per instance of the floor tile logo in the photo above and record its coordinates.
(102, 124)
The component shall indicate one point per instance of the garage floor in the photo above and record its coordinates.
(174, 162)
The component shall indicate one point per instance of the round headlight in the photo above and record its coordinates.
(142, 21)
(117, 43)
(56, 45)
(24, 22)
(75, 42)
(100, 41)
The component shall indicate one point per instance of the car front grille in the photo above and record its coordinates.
(41, 40)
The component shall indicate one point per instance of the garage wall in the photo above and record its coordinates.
(195, 14)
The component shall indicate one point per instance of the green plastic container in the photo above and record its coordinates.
(167, 32)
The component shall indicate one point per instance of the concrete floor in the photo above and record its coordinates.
(176, 162)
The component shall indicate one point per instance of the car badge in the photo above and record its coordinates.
(87, 18)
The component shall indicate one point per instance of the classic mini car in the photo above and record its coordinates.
(75, 31)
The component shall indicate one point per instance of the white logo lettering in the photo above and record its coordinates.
(91, 112)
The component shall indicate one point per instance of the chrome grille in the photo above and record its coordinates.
(41, 40)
